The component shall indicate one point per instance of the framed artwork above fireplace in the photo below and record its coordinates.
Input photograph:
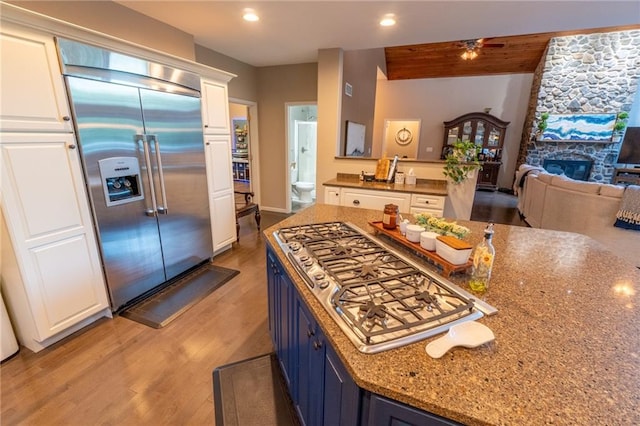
(580, 127)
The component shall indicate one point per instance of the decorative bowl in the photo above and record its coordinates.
(413, 233)
(428, 240)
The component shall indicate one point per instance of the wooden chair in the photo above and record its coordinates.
(245, 206)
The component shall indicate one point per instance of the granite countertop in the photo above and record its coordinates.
(567, 348)
(422, 186)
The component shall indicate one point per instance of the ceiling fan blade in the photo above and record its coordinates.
(493, 45)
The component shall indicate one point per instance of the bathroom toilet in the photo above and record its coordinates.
(304, 191)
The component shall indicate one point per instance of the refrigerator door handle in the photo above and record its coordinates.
(164, 208)
(147, 159)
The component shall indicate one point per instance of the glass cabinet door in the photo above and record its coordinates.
(494, 137)
(466, 131)
(452, 136)
(479, 137)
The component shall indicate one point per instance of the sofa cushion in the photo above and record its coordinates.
(546, 177)
(611, 190)
(576, 185)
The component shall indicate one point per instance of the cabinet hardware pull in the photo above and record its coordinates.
(66, 118)
(310, 333)
(317, 345)
(206, 125)
(72, 146)
(356, 202)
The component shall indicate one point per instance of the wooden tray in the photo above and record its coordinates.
(447, 267)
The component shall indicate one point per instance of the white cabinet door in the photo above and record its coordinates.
(47, 212)
(33, 96)
(221, 197)
(215, 107)
(332, 195)
(374, 200)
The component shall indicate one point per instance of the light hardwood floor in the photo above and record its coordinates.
(119, 372)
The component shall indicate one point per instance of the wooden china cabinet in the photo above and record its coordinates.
(486, 131)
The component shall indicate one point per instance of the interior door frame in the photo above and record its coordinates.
(254, 144)
(287, 183)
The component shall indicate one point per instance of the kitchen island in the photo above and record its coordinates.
(567, 348)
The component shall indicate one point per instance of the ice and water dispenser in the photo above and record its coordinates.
(121, 180)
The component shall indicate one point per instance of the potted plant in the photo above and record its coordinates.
(542, 125)
(461, 161)
(620, 125)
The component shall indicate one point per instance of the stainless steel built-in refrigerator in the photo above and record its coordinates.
(142, 149)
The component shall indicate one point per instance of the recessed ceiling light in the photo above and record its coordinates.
(388, 20)
(250, 15)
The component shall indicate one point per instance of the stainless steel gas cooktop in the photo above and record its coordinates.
(379, 298)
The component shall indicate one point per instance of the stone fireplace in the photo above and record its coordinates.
(601, 156)
(589, 73)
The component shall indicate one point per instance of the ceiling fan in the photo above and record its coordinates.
(471, 47)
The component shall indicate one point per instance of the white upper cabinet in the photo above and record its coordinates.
(33, 96)
(215, 107)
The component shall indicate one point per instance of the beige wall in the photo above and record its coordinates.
(245, 85)
(360, 70)
(118, 21)
(435, 100)
(276, 86)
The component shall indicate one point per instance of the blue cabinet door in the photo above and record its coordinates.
(280, 296)
(385, 412)
(341, 394)
(310, 348)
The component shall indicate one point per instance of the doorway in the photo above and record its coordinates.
(302, 135)
(240, 143)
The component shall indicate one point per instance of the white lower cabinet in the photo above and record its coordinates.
(432, 204)
(51, 275)
(221, 195)
(374, 200)
(332, 195)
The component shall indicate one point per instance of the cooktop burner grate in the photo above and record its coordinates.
(379, 298)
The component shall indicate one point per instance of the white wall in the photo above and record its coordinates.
(435, 100)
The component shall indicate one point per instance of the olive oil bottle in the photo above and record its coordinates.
(483, 256)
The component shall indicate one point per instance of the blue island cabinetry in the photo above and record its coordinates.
(322, 390)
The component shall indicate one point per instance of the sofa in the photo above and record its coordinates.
(560, 203)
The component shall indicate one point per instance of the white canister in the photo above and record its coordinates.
(428, 240)
(399, 177)
(410, 180)
(413, 233)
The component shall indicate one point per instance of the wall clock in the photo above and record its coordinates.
(404, 136)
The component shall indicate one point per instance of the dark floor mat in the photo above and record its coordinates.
(252, 392)
(163, 307)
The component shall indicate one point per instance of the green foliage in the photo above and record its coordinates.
(461, 161)
(542, 124)
(621, 122)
